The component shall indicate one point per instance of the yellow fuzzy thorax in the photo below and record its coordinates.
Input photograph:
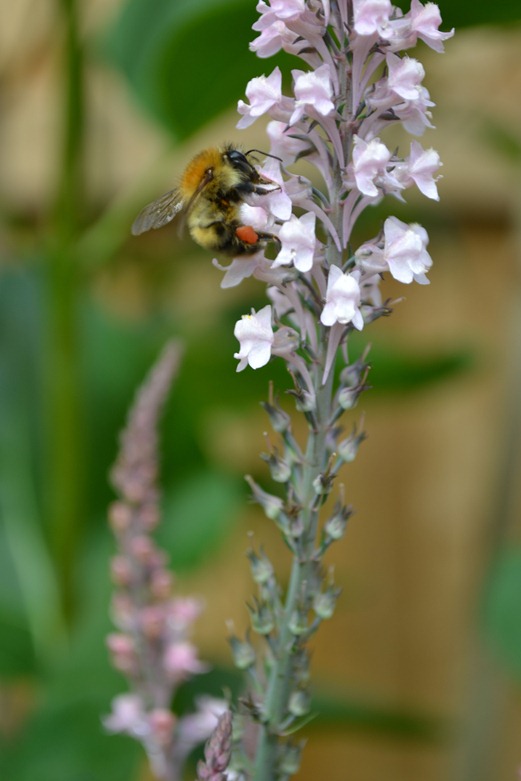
(224, 176)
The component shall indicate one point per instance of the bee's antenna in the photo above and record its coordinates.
(265, 154)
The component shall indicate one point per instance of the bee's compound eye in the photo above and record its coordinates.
(239, 160)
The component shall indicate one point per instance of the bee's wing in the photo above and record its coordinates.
(158, 213)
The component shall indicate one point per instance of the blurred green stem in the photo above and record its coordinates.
(65, 430)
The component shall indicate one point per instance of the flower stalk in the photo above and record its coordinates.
(358, 81)
(151, 646)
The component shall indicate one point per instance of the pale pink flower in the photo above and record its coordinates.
(313, 92)
(370, 160)
(414, 114)
(273, 38)
(263, 92)
(405, 251)
(419, 168)
(298, 240)
(425, 21)
(405, 76)
(194, 728)
(127, 715)
(342, 300)
(255, 335)
(180, 661)
(371, 16)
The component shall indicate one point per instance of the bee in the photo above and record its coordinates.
(211, 190)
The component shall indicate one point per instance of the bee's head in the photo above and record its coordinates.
(240, 163)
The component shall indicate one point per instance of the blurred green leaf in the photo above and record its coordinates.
(398, 369)
(502, 609)
(199, 516)
(64, 740)
(186, 61)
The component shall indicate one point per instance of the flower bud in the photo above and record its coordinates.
(261, 618)
(279, 468)
(243, 653)
(324, 603)
(272, 505)
(335, 526)
(298, 623)
(299, 703)
(261, 567)
(290, 760)
(280, 420)
(348, 447)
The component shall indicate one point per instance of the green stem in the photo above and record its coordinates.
(64, 467)
(279, 683)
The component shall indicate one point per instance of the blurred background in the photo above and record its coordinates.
(418, 674)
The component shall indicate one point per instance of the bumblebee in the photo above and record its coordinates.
(210, 193)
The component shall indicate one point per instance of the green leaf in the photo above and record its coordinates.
(502, 609)
(199, 515)
(188, 60)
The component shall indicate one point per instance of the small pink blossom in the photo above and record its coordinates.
(272, 39)
(342, 300)
(405, 251)
(370, 160)
(263, 92)
(255, 335)
(127, 715)
(180, 661)
(419, 168)
(405, 76)
(425, 21)
(371, 16)
(313, 92)
(298, 240)
(194, 728)
(414, 114)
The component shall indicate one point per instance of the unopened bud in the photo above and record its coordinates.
(243, 653)
(334, 527)
(298, 623)
(324, 603)
(348, 448)
(290, 760)
(272, 505)
(262, 618)
(299, 703)
(279, 468)
(280, 420)
(261, 567)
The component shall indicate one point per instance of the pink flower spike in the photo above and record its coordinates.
(342, 299)
(405, 251)
(371, 16)
(313, 91)
(298, 240)
(422, 164)
(255, 335)
(263, 92)
(425, 21)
